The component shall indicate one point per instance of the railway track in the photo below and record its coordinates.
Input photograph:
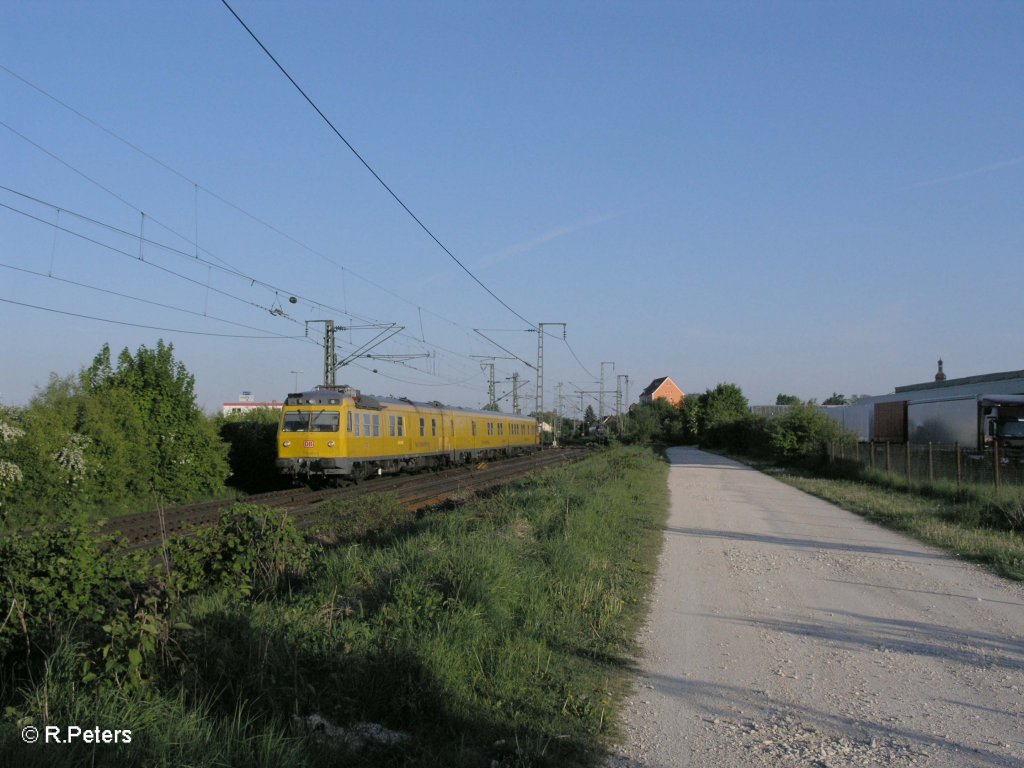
(415, 492)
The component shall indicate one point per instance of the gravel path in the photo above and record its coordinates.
(785, 631)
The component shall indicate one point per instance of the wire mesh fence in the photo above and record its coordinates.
(931, 462)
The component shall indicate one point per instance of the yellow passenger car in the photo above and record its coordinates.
(332, 433)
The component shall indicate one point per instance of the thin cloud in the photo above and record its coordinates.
(553, 234)
(965, 175)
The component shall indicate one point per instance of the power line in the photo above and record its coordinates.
(140, 325)
(227, 268)
(161, 268)
(191, 257)
(197, 186)
(139, 299)
(133, 256)
(370, 169)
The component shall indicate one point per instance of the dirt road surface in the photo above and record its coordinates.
(787, 632)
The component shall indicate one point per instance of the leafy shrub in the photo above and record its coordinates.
(252, 441)
(373, 515)
(251, 547)
(62, 580)
(802, 433)
(110, 439)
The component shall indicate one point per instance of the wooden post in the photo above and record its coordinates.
(871, 448)
(888, 457)
(996, 461)
(931, 465)
(906, 453)
(959, 467)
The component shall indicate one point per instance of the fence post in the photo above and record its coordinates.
(871, 449)
(931, 465)
(888, 458)
(996, 462)
(959, 467)
(906, 453)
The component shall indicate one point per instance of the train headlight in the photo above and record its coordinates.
(287, 444)
(330, 443)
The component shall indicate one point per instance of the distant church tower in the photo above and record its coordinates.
(940, 376)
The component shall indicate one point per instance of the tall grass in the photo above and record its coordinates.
(973, 523)
(495, 634)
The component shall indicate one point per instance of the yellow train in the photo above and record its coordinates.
(335, 432)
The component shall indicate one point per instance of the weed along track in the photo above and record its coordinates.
(415, 493)
(498, 633)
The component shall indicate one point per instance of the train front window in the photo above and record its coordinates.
(326, 421)
(295, 421)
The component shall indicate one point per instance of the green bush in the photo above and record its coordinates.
(109, 441)
(250, 548)
(802, 434)
(63, 581)
(252, 450)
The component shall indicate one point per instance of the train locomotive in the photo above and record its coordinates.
(334, 433)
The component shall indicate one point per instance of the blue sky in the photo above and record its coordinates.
(796, 197)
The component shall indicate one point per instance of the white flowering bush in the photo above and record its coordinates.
(9, 433)
(71, 458)
(10, 473)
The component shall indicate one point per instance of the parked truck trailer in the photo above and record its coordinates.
(974, 421)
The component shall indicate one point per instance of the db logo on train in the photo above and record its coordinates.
(308, 444)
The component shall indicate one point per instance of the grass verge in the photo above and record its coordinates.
(970, 524)
(497, 634)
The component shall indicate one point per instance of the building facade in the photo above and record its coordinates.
(662, 389)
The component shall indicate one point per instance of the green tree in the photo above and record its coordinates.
(252, 438)
(188, 458)
(836, 399)
(782, 399)
(589, 419)
(722, 405)
(802, 433)
(657, 421)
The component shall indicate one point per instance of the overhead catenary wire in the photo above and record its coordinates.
(194, 255)
(153, 265)
(227, 267)
(141, 325)
(132, 256)
(369, 168)
(140, 300)
(196, 188)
